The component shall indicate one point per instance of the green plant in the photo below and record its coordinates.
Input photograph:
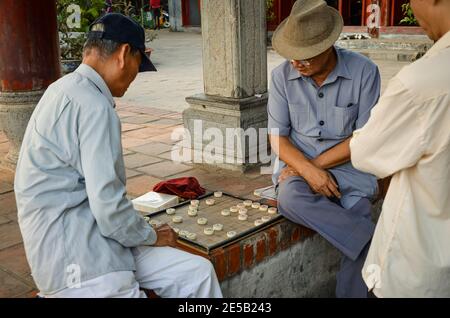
(72, 39)
(270, 10)
(90, 11)
(408, 14)
(127, 8)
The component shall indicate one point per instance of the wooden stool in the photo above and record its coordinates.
(150, 293)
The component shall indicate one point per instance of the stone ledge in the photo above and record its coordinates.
(258, 247)
(227, 103)
(254, 249)
(282, 260)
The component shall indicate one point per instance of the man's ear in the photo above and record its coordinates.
(124, 50)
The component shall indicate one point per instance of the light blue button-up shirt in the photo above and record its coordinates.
(318, 118)
(75, 219)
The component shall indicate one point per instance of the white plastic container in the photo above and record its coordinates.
(152, 202)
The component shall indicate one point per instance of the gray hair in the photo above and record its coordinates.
(104, 47)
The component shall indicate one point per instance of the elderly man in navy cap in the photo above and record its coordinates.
(81, 234)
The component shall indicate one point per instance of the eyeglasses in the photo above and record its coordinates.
(305, 63)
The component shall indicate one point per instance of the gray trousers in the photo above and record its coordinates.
(350, 231)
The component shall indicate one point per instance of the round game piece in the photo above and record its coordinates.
(193, 208)
(210, 202)
(176, 230)
(240, 205)
(202, 221)
(208, 231)
(256, 205)
(243, 211)
(170, 211)
(177, 219)
(155, 223)
(257, 193)
(195, 203)
(263, 208)
(218, 227)
(248, 203)
(192, 236)
(225, 212)
(218, 194)
(146, 218)
(258, 222)
(266, 218)
(242, 217)
(231, 234)
(183, 233)
(234, 209)
(272, 210)
(192, 212)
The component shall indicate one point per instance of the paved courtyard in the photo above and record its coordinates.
(177, 56)
(149, 111)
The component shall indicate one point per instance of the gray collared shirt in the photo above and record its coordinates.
(318, 118)
(74, 216)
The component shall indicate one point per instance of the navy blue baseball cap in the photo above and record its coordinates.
(122, 29)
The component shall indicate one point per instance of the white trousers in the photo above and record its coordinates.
(169, 272)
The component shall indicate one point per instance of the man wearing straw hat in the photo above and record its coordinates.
(317, 98)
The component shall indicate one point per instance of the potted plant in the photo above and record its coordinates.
(71, 51)
(408, 14)
(73, 39)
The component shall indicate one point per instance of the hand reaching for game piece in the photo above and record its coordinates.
(166, 236)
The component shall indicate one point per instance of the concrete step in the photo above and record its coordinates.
(389, 48)
(417, 43)
(391, 55)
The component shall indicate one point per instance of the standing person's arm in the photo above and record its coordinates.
(393, 139)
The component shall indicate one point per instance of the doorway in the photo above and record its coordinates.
(191, 13)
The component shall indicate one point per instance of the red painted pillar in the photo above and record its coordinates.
(29, 62)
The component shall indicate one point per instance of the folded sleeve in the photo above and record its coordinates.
(102, 164)
(279, 122)
(393, 137)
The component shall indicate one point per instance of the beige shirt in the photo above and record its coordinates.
(408, 136)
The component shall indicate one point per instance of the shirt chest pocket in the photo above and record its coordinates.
(344, 119)
(302, 118)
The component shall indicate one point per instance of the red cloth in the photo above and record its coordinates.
(186, 188)
(154, 4)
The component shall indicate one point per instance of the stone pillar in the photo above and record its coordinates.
(235, 84)
(29, 62)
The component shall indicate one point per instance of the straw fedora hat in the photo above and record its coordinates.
(311, 28)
